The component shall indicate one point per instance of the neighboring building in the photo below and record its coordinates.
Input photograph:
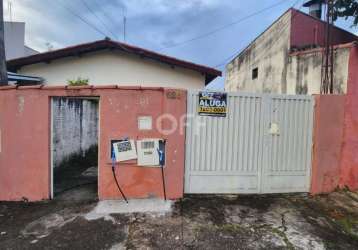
(287, 58)
(107, 62)
(14, 33)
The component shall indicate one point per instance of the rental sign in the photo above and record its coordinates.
(212, 103)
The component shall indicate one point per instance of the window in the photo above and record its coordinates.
(255, 73)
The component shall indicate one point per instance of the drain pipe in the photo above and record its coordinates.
(162, 163)
(115, 177)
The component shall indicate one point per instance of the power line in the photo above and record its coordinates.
(81, 18)
(89, 24)
(288, 22)
(103, 12)
(228, 59)
(109, 18)
(239, 51)
(88, 7)
(223, 27)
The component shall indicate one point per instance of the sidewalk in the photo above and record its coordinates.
(196, 222)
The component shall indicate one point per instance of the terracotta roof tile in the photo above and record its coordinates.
(17, 63)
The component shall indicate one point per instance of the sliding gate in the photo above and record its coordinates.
(263, 145)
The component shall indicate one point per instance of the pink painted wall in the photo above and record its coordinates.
(24, 157)
(306, 30)
(328, 135)
(25, 119)
(119, 119)
(335, 154)
(349, 161)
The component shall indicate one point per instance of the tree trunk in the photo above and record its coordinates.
(3, 71)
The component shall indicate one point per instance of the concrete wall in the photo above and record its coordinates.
(349, 161)
(307, 30)
(25, 139)
(14, 34)
(328, 136)
(304, 72)
(75, 127)
(116, 67)
(269, 52)
(141, 182)
(283, 72)
(335, 158)
(29, 51)
(24, 143)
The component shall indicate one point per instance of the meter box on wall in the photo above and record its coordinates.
(124, 150)
(148, 152)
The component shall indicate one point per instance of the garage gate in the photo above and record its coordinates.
(263, 145)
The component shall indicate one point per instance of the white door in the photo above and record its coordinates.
(288, 150)
(263, 145)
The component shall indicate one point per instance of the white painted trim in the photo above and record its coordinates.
(51, 147)
(51, 138)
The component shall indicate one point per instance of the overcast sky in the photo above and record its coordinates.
(159, 25)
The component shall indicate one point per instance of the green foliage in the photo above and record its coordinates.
(346, 9)
(78, 82)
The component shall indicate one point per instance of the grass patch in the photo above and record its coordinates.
(348, 224)
(283, 236)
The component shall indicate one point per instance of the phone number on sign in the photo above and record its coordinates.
(212, 110)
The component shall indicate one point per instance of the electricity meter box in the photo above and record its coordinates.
(124, 150)
(148, 152)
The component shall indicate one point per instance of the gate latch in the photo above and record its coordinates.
(274, 129)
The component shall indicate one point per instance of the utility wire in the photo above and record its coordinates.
(223, 27)
(239, 51)
(106, 15)
(88, 7)
(261, 47)
(81, 18)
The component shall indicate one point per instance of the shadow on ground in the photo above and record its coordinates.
(76, 177)
(196, 222)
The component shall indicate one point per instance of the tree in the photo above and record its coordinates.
(3, 71)
(346, 9)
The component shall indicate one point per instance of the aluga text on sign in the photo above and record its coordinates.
(212, 103)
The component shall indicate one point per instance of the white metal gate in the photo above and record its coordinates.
(263, 145)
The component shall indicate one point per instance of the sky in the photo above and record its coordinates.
(208, 32)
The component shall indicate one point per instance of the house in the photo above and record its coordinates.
(287, 57)
(14, 34)
(152, 89)
(106, 62)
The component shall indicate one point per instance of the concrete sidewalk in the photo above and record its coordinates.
(196, 222)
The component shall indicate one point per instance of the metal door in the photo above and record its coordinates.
(240, 153)
(288, 152)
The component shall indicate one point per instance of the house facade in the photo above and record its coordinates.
(287, 58)
(106, 62)
(116, 68)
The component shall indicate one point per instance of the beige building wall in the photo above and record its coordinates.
(115, 67)
(279, 71)
(269, 54)
(304, 72)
